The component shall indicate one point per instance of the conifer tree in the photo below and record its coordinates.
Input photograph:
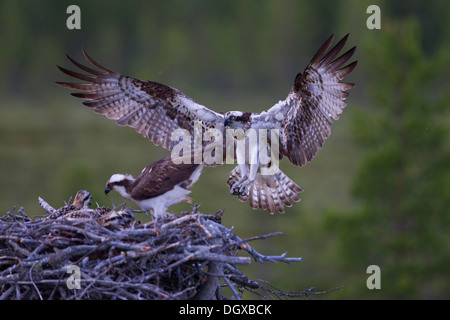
(403, 181)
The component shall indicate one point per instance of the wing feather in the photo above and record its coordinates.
(153, 109)
(161, 177)
(316, 98)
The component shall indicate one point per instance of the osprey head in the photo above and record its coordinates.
(82, 199)
(236, 119)
(119, 182)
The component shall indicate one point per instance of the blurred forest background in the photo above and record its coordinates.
(377, 194)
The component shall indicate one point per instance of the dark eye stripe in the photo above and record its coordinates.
(120, 183)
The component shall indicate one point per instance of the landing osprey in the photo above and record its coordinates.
(301, 122)
(159, 186)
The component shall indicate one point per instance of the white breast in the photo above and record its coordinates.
(160, 204)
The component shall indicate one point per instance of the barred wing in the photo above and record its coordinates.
(316, 97)
(153, 109)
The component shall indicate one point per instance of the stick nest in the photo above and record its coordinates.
(191, 256)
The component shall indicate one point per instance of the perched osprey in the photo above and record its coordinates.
(300, 123)
(159, 186)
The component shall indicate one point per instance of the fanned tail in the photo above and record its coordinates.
(268, 192)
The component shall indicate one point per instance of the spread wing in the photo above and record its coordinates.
(153, 109)
(317, 96)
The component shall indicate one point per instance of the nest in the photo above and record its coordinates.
(102, 253)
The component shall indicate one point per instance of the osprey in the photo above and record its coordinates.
(82, 201)
(159, 186)
(300, 123)
(79, 210)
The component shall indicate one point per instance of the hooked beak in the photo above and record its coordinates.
(107, 190)
(227, 122)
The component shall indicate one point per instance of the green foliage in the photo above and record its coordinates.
(403, 179)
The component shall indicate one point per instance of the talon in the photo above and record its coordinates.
(241, 188)
(235, 191)
(242, 191)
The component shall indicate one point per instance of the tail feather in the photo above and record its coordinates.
(263, 198)
(269, 193)
(253, 197)
(283, 195)
(290, 187)
(266, 202)
(278, 203)
(187, 199)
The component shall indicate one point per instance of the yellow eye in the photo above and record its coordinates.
(233, 118)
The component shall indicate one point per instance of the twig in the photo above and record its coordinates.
(46, 206)
(32, 282)
(232, 288)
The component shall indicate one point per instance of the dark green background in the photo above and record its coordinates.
(378, 193)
